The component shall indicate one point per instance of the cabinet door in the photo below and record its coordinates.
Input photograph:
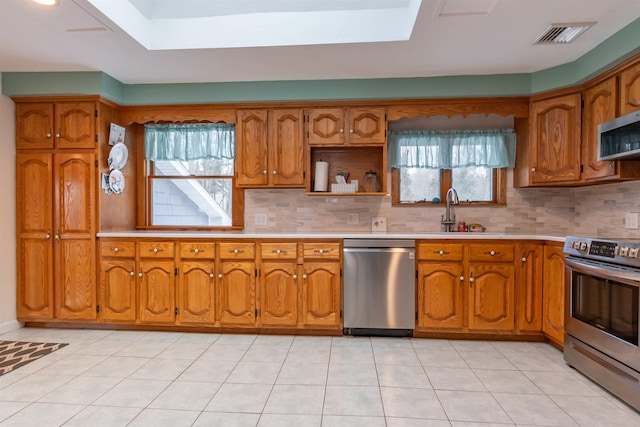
(321, 297)
(237, 293)
(75, 125)
(599, 106)
(34, 200)
(529, 287)
(251, 149)
(326, 126)
(630, 90)
(555, 139)
(157, 291)
(367, 126)
(279, 293)
(553, 294)
(74, 246)
(34, 125)
(196, 292)
(440, 295)
(491, 296)
(286, 147)
(118, 290)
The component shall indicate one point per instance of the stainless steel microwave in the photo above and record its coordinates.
(620, 138)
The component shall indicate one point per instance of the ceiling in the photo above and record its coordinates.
(450, 37)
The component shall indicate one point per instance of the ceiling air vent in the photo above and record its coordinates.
(563, 33)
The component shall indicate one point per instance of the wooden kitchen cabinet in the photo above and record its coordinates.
(196, 293)
(237, 284)
(56, 235)
(601, 101)
(466, 287)
(157, 276)
(630, 89)
(64, 124)
(553, 294)
(279, 284)
(322, 284)
(529, 267)
(347, 126)
(118, 287)
(554, 140)
(270, 148)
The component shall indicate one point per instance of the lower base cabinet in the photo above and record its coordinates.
(553, 294)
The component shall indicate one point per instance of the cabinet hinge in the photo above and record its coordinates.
(176, 311)
(96, 163)
(416, 274)
(257, 272)
(340, 272)
(581, 168)
(304, 174)
(416, 315)
(95, 113)
(97, 309)
(176, 271)
(582, 103)
(95, 137)
(257, 312)
(341, 314)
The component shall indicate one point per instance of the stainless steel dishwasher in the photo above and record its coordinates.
(379, 287)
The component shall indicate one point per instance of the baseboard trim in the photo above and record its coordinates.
(10, 326)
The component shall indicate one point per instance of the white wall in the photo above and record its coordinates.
(7, 215)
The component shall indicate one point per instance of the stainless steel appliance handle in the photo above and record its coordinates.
(377, 250)
(605, 271)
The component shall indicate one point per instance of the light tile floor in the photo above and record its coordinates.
(127, 378)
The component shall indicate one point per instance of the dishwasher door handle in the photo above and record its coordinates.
(377, 250)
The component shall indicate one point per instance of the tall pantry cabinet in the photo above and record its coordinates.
(56, 172)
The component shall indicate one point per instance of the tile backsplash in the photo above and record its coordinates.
(593, 211)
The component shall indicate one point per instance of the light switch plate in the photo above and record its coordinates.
(261, 218)
(379, 223)
(631, 221)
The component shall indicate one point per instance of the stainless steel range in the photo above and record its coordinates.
(602, 309)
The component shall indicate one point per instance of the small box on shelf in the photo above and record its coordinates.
(351, 187)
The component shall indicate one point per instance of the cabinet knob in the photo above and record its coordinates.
(235, 251)
(48, 134)
(264, 171)
(461, 278)
(278, 251)
(48, 235)
(533, 169)
(140, 275)
(275, 173)
(351, 130)
(219, 275)
(320, 251)
(492, 253)
(116, 250)
(155, 250)
(304, 276)
(58, 134)
(132, 273)
(341, 130)
(295, 277)
(524, 259)
(57, 236)
(612, 164)
(196, 250)
(211, 275)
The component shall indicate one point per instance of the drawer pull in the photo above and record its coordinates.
(156, 250)
(197, 251)
(492, 253)
(321, 251)
(279, 251)
(116, 250)
(441, 252)
(237, 251)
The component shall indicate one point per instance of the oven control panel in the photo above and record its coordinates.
(605, 249)
(623, 252)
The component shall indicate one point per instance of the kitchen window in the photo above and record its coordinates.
(190, 176)
(425, 164)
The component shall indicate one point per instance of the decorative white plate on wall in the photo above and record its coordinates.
(118, 156)
(116, 181)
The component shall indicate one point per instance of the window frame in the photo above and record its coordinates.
(499, 189)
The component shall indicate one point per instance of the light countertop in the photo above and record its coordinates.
(329, 235)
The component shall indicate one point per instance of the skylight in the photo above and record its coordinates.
(199, 24)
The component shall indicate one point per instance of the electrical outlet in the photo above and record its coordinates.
(352, 219)
(379, 223)
(261, 219)
(631, 221)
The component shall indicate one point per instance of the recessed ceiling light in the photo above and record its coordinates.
(46, 2)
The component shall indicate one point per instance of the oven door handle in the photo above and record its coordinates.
(609, 272)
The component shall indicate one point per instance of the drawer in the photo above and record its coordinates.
(440, 251)
(198, 250)
(156, 249)
(237, 250)
(491, 252)
(321, 250)
(279, 250)
(118, 248)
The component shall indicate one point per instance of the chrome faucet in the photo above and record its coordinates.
(449, 217)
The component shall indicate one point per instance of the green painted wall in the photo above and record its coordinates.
(618, 47)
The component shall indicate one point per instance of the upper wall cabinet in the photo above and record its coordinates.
(630, 89)
(42, 125)
(554, 149)
(270, 148)
(347, 126)
(600, 105)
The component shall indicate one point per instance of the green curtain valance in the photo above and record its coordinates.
(448, 149)
(190, 141)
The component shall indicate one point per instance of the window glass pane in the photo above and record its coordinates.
(474, 183)
(419, 185)
(191, 202)
(207, 167)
